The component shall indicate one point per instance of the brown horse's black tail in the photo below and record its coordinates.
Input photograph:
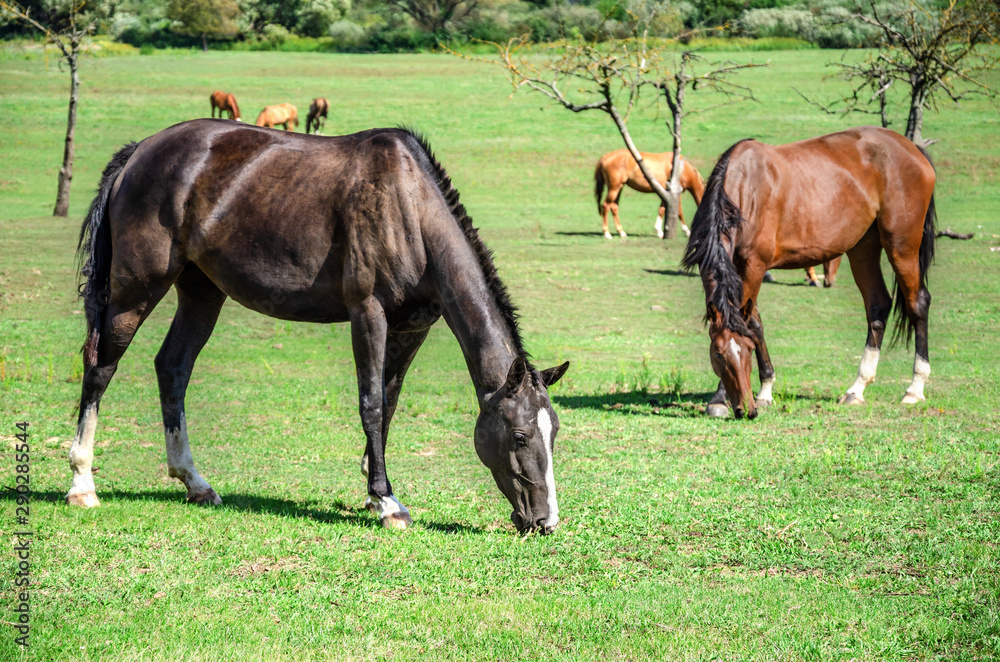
(94, 249)
(599, 185)
(904, 326)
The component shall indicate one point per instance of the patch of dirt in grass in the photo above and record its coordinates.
(263, 565)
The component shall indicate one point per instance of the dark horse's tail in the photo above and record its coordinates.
(904, 329)
(718, 215)
(599, 185)
(94, 249)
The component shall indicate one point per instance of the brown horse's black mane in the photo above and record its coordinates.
(421, 150)
(717, 216)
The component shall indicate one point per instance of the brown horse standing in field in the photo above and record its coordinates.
(373, 234)
(284, 114)
(860, 192)
(618, 168)
(225, 102)
(316, 117)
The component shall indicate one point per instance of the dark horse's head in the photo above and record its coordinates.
(515, 436)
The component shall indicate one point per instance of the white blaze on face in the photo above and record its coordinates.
(545, 427)
(734, 347)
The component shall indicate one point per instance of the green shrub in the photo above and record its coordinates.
(347, 35)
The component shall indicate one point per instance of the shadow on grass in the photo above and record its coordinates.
(338, 512)
(639, 403)
(673, 272)
(601, 234)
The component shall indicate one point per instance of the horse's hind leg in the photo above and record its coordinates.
(830, 271)
(866, 267)
(118, 324)
(198, 304)
(916, 305)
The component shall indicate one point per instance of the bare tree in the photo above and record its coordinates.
(930, 53)
(74, 25)
(610, 77)
(433, 15)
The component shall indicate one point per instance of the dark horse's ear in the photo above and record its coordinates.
(552, 375)
(517, 374)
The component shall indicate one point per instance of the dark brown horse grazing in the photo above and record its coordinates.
(618, 168)
(225, 102)
(371, 232)
(317, 114)
(858, 192)
(284, 114)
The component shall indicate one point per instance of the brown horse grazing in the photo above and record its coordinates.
(284, 114)
(373, 233)
(225, 102)
(317, 114)
(618, 168)
(858, 192)
(829, 273)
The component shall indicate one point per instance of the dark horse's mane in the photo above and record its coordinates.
(421, 150)
(718, 216)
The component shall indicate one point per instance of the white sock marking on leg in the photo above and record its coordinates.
(921, 372)
(765, 390)
(179, 460)
(545, 427)
(659, 226)
(866, 372)
(81, 453)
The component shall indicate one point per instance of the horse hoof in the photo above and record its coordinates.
(912, 398)
(769, 277)
(827, 283)
(397, 521)
(206, 498)
(850, 399)
(687, 233)
(763, 404)
(813, 283)
(716, 410)
(623, 236)
(83, 499)
(607, 235)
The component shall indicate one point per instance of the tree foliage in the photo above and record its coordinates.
(205, 18)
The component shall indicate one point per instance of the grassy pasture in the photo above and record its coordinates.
(813, 533)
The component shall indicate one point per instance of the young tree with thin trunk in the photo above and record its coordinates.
(932, 53)
(611, 76)
(69, 24)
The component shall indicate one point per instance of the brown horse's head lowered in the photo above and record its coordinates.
(365, 229)
(860, 192)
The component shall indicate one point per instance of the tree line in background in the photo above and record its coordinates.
(400, 25)
(922, 54)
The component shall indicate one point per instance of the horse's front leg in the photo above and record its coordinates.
(764, 367)
(369, 330)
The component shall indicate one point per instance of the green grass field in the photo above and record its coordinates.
(815, 532)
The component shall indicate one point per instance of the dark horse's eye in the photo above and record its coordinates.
(520, 439)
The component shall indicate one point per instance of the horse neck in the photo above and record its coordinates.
(472, 312)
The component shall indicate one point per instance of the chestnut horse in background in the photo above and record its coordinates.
(860, 192)
(225, 102)
(829, 273)
(317, 112)
(618, 168)
(284, 113)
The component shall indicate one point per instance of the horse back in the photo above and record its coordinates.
(826, 191)
(287, 224)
